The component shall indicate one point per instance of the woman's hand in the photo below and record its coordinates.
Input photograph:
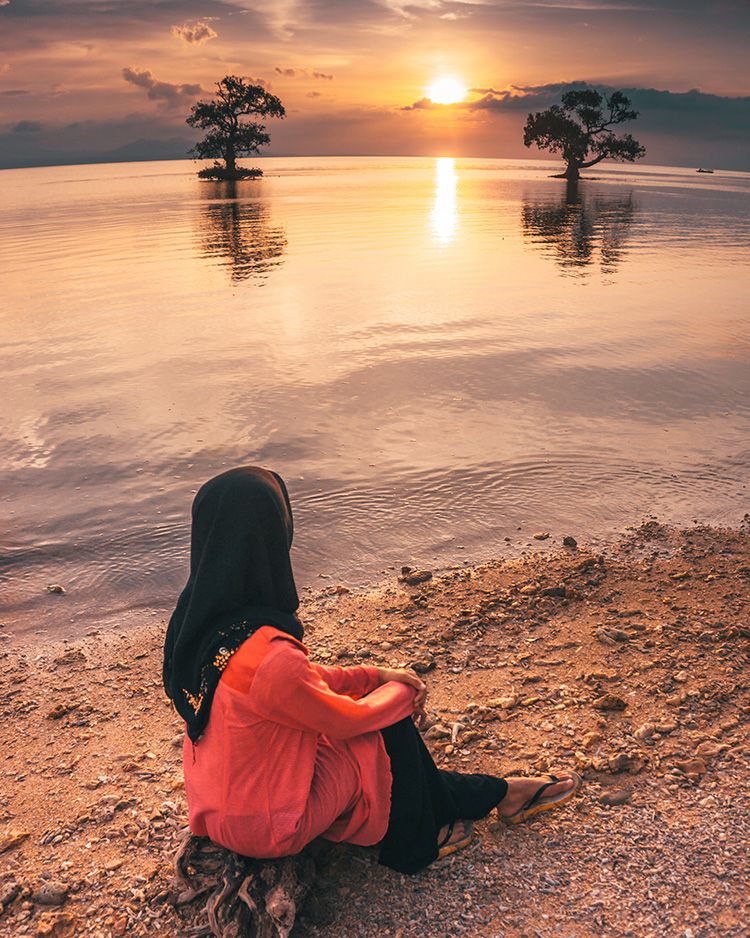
(405, 676)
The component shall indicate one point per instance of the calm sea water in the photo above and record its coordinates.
(437, 355)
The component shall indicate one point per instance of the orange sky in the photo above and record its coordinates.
(81, 79)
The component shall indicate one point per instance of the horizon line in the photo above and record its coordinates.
(364, 156)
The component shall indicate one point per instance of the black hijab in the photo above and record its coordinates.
(240, 579)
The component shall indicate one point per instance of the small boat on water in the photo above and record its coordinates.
(702, 170)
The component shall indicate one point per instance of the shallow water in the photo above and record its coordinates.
(437, 355)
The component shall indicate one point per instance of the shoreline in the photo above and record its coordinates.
(628, 664)
(125, 621)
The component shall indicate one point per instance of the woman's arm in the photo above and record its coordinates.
(289, 690)
(354, 682)
(363, 679)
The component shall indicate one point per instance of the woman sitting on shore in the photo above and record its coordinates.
(279, 750)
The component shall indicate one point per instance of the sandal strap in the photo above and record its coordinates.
(540, 791)
(448, 836)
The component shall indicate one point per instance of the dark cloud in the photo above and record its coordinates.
(694, 107)
(462, 9)
(160, 90)
(646, 100)
(314, 94)
(14, 92)
(26, 127)
(424, 104)
(302, 73)
(34, 24)
(194, 33)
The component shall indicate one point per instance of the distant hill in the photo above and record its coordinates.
(143, 149)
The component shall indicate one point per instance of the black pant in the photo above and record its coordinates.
(425, 798)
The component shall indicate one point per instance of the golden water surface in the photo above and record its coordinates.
(437, 355)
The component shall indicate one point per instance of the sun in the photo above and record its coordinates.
(447, 90)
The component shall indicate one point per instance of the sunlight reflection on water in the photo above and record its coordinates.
(444, 217)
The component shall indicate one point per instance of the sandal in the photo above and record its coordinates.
(445, 848)
(536, 804)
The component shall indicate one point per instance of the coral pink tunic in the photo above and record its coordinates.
(291, 752)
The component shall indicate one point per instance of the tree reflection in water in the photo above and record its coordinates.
(573, 229)
(238, 233)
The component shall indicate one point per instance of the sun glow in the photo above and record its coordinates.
(447, 90)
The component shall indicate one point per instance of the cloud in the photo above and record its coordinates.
(302, 73)
(645, 100)
(677, 113)
(484, 91)
(160, 90)
(194, 32)
(14, 92)
(424, 104)
(26, 127)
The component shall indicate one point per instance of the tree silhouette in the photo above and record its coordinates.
(229, 137)
(580, 130)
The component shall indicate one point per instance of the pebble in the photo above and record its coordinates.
(609, 702)
(625, 762)
(505, 703)
(607, 633)
(8, 892)
(709, 750)
(615, 797)
(60, 710)
(541, 535)
(591, 739)
(666, 727)
(438, 731)
(11, 838)
(413, 577)
(570, 541)
(51, 893)
(693, 768)
(57, 924)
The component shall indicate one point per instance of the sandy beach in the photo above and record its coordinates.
(629, 666)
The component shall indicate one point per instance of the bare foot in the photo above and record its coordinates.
(521, 789)
(460, 832)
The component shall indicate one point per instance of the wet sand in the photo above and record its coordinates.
(628, 665)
